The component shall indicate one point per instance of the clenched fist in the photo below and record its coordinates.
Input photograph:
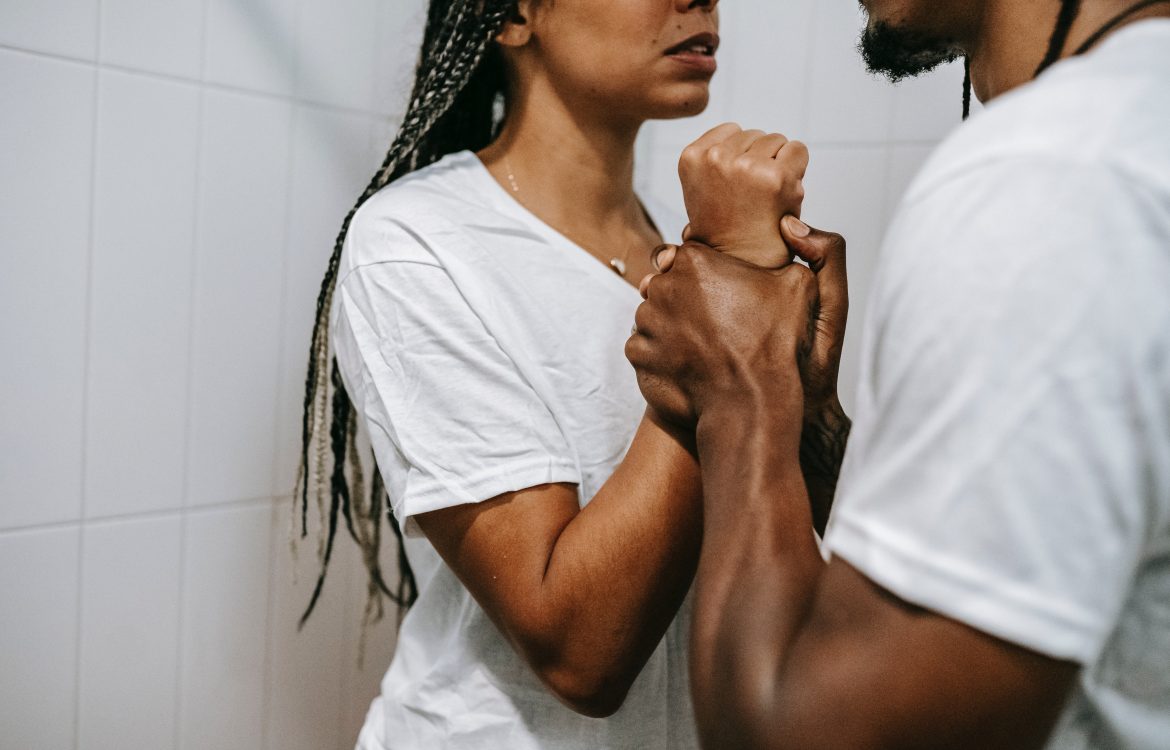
(738, 184)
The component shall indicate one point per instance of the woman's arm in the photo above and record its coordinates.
(584, 595)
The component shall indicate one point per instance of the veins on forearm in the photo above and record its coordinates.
(822, 448)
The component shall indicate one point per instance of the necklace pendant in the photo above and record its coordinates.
(618, 265)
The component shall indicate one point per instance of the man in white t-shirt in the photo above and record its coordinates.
(999, 571)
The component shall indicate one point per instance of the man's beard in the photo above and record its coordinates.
(898, 52)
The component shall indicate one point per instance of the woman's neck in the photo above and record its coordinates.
(574, 170)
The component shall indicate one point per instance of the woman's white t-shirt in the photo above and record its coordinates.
(484, 353)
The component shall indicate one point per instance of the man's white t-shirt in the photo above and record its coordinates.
(485, 354)
(1010, 461)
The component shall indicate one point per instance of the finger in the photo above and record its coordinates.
(647, 320)
(717, 134)
(825, 254)
(768, 146)
(740, 143)
(687, 233)
(665, 259)
(644, 285)
(792, 158)
(657, 252)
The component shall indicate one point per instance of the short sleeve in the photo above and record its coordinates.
(450, 417)
(1009, 459)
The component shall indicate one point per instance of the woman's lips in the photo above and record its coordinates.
(697, 52)
(697, 60)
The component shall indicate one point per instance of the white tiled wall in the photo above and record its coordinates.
(174, 175)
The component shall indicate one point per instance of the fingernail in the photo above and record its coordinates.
(796, 227)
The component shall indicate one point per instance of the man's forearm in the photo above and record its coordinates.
(757, 572)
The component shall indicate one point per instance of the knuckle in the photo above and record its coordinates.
(642, 317)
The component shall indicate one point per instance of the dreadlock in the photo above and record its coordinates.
(459, 76)
(1056, 43)
(1064, 22)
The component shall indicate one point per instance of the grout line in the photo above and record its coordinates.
(266, 694)
(87, 341)
(200, 82)
(192, 323)
(146, 515)
(276, 527)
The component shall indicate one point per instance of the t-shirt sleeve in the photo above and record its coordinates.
(450, 417)
(1013, 407)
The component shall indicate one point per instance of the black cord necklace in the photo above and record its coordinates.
(1114, 23)
(1058, 41)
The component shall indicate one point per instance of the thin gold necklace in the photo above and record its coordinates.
(617, 265)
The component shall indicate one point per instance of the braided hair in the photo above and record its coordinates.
(459, 77)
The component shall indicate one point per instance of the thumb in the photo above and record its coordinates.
(825, 254)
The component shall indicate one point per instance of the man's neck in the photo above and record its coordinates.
(570, 169)
(1012, 38)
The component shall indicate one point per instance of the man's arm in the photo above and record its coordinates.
(822, 449)
(584, 595)
(788, 652)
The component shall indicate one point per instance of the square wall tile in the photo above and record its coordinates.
(129, 634)
(846, 103)
(160, 36)
(59, 27)
(396, 50)
(929, 107)
(308, 666)
(239, 269)
(905, 163)
(225, 611)
(38, 637)
(771, 43)
(336, 51)
(252, 44)
(846, 194)
(332, 163)
(47, 131)
(143, 227)
(366, 662)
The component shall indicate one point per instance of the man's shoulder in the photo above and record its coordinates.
(1108, 111)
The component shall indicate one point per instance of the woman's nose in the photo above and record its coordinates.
(685, 5)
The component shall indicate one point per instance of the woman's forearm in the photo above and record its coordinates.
(619, 571)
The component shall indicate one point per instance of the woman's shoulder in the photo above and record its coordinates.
(402, 220)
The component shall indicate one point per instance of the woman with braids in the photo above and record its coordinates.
(479, 299)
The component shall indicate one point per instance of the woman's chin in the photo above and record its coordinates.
(688, 108)
(685, 106)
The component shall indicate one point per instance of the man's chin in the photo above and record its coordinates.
(897, 52)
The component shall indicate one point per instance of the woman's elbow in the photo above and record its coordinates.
(596, 693)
